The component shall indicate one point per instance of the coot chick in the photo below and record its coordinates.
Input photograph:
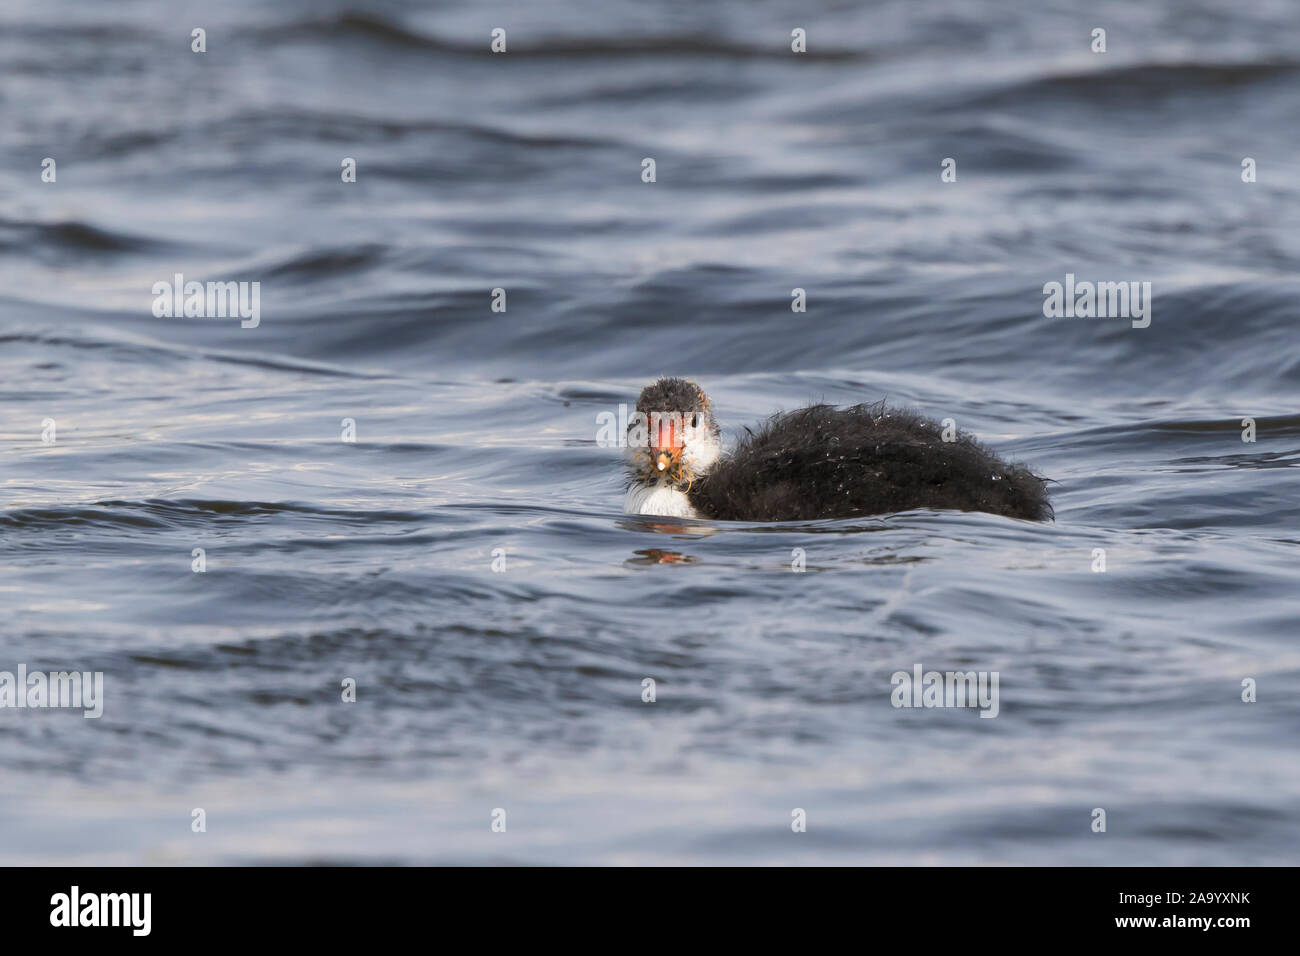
(816, 462)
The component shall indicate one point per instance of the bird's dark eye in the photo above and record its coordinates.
(695, 421)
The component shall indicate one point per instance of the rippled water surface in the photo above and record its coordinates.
(476, 430)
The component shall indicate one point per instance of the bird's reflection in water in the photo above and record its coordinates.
(693, 528)
(689, 528)
(656, 556)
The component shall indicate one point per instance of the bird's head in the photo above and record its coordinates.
(673, 438)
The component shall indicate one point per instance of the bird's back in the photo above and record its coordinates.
(827, 462)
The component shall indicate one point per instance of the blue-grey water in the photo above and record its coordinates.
(520, 688)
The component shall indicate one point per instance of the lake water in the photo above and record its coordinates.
(520, 688)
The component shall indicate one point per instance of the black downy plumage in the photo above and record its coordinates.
(827, 462)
